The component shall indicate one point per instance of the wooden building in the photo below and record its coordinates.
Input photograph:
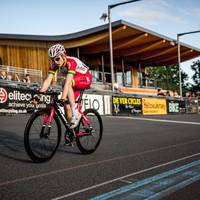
(134, 48)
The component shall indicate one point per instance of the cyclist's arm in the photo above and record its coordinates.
(46, 83)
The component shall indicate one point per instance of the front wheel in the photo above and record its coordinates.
(41, 140)
(89, 136)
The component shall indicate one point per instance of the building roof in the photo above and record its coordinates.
(135, 44)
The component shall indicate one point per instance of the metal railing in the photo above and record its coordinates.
(35, 75)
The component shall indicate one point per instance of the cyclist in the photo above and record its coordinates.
(77, 75)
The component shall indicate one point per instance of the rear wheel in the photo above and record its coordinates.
(41, 141)
(89, 137)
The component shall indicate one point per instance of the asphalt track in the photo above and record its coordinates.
(151, 157)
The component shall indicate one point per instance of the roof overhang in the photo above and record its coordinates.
(132, 43)
(136, 45)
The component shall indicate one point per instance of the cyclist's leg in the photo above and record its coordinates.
(67, 107)
(71, 98)
(80, 82)
(68, 112)
(69, 115)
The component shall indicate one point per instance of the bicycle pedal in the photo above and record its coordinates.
(70, 144)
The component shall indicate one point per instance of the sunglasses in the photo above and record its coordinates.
(56, 59)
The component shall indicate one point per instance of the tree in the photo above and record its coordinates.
(196, 77)
(167, 77)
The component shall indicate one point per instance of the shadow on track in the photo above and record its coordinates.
(12, 146)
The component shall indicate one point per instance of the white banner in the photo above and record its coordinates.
(93, 101)
(102, 103)
(107, 104)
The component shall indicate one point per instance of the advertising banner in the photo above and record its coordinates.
(182, 106)
(13, 100)
(175, 106)
(126, 105)
(154, 106)
(19, 101)
(93, 101)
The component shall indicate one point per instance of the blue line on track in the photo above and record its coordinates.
(158, 186)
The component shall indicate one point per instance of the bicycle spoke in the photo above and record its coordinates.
(41, 141)
(89, 136)
(42, 145)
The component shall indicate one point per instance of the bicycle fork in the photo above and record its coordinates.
(47, 118)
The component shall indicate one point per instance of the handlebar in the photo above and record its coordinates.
(38, 95)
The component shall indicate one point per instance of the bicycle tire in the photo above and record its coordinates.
(35, 146)
(81, 141)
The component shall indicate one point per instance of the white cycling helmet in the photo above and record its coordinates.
(56, 50)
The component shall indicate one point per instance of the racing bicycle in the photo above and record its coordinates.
(42, 133)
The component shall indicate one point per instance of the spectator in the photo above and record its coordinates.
(176, 94)
(117, 88)
(16, 77)
(194, 95)
(144, 79)
(9, 77)
(160, 93)
(3, 75)
(190, 97)
(168, 93)
(27, 79)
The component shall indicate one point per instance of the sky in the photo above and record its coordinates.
(58, 17)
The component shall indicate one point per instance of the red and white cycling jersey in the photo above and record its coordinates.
(81, 76)
(72, 66)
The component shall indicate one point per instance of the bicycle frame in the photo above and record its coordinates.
(54, 108)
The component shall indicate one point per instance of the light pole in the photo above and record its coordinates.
(110, 36)
(179, 57)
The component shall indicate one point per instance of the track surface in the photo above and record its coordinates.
(147, 157)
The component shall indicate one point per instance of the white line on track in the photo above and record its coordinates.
(126, 176)
(94, 163)
(156, 120)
